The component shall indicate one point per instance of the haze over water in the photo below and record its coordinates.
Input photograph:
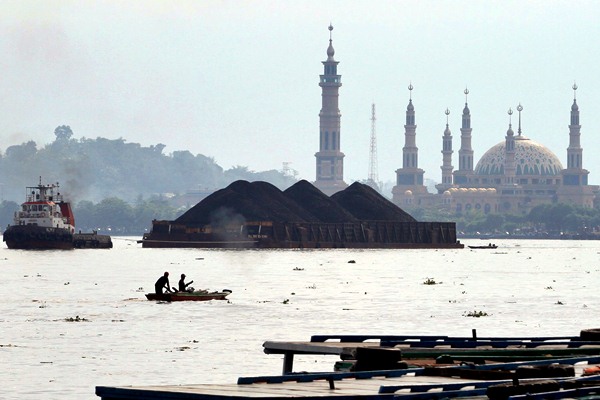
(526, 288)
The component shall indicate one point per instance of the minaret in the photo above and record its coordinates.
(410, 152)
(446, 158)
(330, 160)
(410, 176)
(575, 175)
(510, 166)
(465, 154)
(575, 188)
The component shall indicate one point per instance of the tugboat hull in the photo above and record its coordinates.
(31, 237)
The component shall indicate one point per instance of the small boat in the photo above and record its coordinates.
(489, 246)
(46, 221)
(199, 295)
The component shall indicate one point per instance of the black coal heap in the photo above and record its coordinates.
(319, 204)
(260, 201)
(256, 201)
(366, 204)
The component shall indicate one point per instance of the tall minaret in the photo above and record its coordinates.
(410, 176)
(465, 154)
(410, 152)
(510, 166)
(446, 158)
(575, 174)
(330, 160)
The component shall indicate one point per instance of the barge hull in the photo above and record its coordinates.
(271, 235)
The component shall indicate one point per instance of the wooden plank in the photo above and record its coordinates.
(367, 389)
(314, 348)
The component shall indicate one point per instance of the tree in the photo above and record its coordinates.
(63, 132)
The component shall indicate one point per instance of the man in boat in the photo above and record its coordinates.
(162, 283)
(182, 285)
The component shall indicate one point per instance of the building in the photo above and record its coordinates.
(330, 160)
(513, 176)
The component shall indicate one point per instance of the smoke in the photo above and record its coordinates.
(227, 224)
(226, 217)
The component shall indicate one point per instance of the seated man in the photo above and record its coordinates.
(162, 283)
(182, 285)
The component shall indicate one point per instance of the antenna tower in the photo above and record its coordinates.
(373, 174)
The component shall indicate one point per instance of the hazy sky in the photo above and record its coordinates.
(238, 80)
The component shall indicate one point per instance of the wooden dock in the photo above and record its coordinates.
(426, 381)
(414, 383)
(501, 349)
(349, 388)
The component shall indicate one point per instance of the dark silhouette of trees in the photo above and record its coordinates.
(94, 169)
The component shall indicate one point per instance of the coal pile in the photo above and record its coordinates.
(366, 204)
(260, 201)
(244, 201)
(320, 205)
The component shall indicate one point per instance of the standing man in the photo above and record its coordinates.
(161, 283)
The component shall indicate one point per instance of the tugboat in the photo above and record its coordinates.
(46, 221)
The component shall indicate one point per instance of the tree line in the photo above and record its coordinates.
(545, 219)
(95, 169)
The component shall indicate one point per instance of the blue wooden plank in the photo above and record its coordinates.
(450, 394)
(474, 384)
(473, 343)
(310, 377)
(363, 338)
(415, 388)
(580, 393)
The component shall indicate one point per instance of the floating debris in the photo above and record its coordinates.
(476, 314)
(76, 319)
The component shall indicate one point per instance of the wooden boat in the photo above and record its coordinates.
(200, 295)
(489, 246)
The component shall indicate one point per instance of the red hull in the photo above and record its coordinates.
(184, 296)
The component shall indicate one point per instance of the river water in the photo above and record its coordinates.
(74, 320)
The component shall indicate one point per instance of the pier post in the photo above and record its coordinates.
(288, 363)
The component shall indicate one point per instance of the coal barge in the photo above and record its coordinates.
(258, 215)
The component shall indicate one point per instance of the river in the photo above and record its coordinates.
(74, 320)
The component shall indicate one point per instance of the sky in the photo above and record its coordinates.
(238, 80)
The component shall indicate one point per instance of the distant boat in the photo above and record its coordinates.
(489, 246)
(200, 295)
(46, 221)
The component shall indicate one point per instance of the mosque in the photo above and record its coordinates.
(513, 176)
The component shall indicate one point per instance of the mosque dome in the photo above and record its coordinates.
(531, 158)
